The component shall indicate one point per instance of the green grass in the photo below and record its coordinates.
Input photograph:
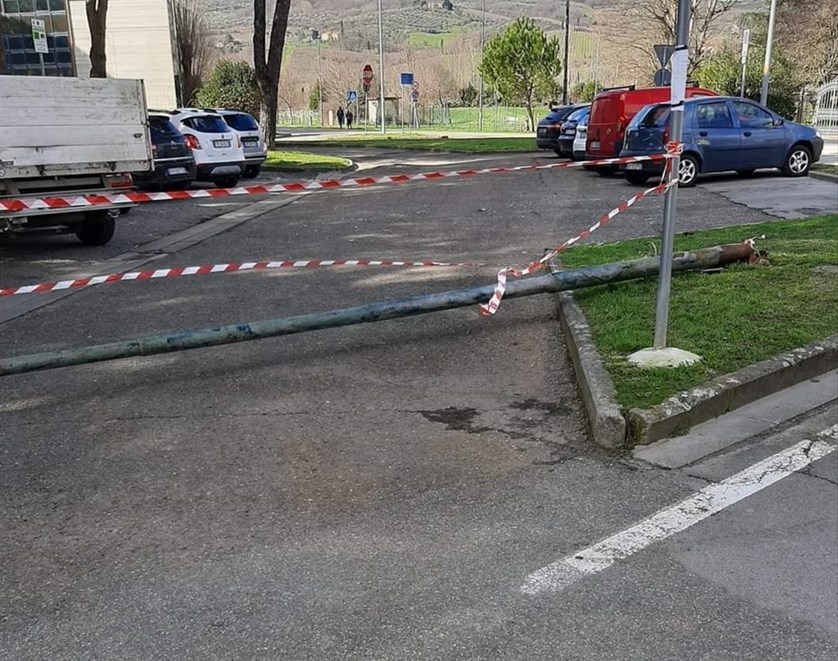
(432, 39)
(732, 319)
(823, 167)
(408, 141)
(300, 160)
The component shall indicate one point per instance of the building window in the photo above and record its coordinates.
(17, 50)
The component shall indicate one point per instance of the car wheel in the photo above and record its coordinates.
(636, 178)
(559, 153)
(798, 162)
(179, 185)
(97, 228)
(688, 171)
(227, 182)
(607, 171)
(745, 173)
(252, 171)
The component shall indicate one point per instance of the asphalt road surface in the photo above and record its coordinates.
(381, 491)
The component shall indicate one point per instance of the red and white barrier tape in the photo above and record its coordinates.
(136, 197)
(500, 288)
(207, 269)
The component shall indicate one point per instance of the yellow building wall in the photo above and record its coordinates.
(138, 46)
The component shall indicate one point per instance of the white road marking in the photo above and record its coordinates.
(703, 504)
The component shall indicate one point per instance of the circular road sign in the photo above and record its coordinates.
(414, 96)
(367, 74)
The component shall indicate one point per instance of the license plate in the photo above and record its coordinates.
(542, 131)
(174, 171)
(250, 141)
(595, 144)
(220, 144)
(570, 131)
(634, 166)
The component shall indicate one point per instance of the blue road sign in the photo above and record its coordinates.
(406, 79)
(351, 96)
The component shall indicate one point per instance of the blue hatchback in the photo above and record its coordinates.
(720, 134)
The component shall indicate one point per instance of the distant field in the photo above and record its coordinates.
(495, 119)
(432, 40)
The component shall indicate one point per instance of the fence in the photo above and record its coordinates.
(826, 109)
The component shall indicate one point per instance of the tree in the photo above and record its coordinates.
(194, 50)
(584, 92)
(522, 64)
(469, 95)
(97, 14)
(231, 85)
(314, 98)
(722, 72)
(654, 22)
(807, 31)
(267, 60)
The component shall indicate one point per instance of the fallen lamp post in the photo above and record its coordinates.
(705, 258)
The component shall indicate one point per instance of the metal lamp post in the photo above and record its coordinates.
(482, 45)
(763, 93)
(381, 67)
(566, 49)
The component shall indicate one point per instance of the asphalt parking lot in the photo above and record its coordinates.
(381, 491)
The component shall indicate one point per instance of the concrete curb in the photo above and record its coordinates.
(824, 176)
(679, 413)
(605, 419)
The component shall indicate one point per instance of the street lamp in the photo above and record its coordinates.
(763, 94)
(382, 103)
(566, 48)
(315, 35)
(482, 45)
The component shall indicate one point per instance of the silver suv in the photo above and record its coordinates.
(247, 128)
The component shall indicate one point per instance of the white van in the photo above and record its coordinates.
(219, 157)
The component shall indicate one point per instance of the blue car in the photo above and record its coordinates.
(721, 134)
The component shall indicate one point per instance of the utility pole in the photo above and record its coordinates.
(382, 103)
(482, 45)
(763, 93)
(566, 48)
(319, 80)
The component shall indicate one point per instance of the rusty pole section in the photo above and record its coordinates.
(394, 309)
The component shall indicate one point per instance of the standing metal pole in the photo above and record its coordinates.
(763, 93)
(679, 62)
(319, 82)
(482, 45)
(566, 49)
(382, 103)
(746, 37)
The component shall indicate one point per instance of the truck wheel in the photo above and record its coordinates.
(97, 229)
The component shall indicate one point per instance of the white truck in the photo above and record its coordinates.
(64, 137)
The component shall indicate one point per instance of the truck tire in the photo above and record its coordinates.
(97, 228)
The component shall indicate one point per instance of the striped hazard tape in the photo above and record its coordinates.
(207, 269)
(500, 288)
(136, 197)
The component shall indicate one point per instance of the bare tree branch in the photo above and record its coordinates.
(194, 50)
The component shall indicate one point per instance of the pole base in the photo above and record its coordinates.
(668, 357)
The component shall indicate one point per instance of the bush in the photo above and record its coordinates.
(231, 85)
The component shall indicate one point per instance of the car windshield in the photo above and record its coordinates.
(579, 115)
(162, 130)
(207, 124)
(241, 122)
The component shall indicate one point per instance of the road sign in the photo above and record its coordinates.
(415, 86)
(746, 39)
(367, 74)
(406, 79)
(664, 52)
(414, 96)
(351, 96)
(39, 35)
(662, 77)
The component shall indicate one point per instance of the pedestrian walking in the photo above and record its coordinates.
(341, 116)
(349, 118)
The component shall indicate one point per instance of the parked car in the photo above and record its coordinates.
(247, 128)
(219, 157)
(581, 138)
(611, 112)
(550, 127)
(173, 165)
(721, 133)
(569, 128)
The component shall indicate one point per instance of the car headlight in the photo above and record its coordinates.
(818, 134)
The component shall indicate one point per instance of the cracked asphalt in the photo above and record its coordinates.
(378, 491)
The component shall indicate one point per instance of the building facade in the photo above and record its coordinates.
(138, 43)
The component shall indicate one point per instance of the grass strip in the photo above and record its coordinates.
(299, 160)
(732, 319)
(458, 145)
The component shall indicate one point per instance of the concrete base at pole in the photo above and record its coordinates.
(668, 357)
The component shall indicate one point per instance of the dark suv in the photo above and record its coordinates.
(550, 128)
(174, 164)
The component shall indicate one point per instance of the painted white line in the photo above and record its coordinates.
(710, 500)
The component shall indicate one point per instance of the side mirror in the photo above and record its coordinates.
(779, 121)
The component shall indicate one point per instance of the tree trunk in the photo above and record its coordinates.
(97, 12)
(268, 62)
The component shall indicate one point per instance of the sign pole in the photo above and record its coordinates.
(746, 37)
(766, 67)
(679, 62)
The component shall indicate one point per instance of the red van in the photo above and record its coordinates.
(611, 112)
